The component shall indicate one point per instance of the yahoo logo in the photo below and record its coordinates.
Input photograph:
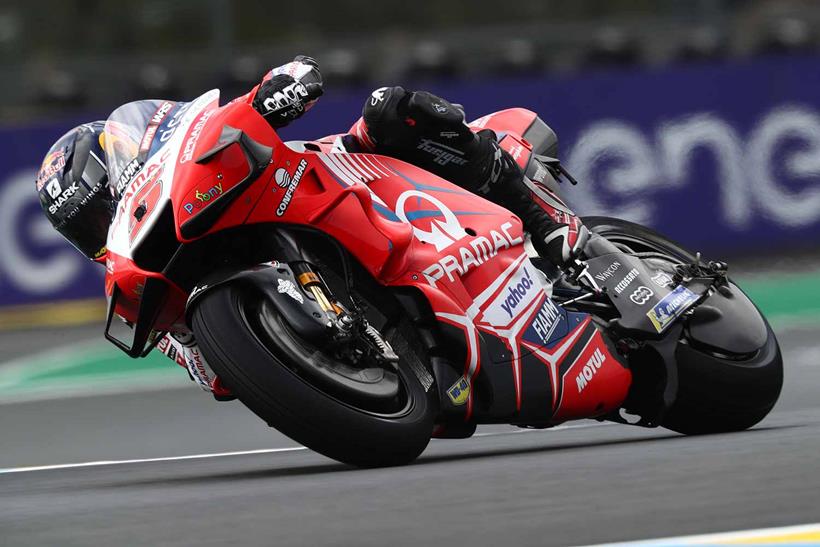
(516, 293)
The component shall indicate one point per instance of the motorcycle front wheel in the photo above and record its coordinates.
(370, 418)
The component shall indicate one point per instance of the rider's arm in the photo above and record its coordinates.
(359, 131)
(395, 118)
(287, 91)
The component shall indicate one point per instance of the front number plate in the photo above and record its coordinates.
(671, 307)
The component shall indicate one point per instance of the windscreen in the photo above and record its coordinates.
(133, 133)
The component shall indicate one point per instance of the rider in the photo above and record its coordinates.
(408, 125)
(418, 127)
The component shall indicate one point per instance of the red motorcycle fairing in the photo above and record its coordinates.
(407, 227)
(515, 121)
(131, 281)
(511, 126)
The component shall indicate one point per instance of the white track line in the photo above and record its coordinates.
(103, 463)
(149, 460)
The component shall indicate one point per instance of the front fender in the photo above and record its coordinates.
(729, 323)
(276, 282)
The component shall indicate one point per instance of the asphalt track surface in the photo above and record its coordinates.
(583, 484)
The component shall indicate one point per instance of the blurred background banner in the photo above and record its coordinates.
(700, 119)
(36, 263)
(724, 158)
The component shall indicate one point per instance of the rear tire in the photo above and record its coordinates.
(715, 393)
(265, 375)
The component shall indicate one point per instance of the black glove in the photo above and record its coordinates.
(282, 99)
(305, 60)
(291, 91)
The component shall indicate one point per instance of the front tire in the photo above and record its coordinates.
(237, 332)
(716, 392)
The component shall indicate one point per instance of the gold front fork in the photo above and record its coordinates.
(311, 282)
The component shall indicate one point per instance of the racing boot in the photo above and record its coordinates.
(556, 241)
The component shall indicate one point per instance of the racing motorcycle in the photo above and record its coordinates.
(361, 305)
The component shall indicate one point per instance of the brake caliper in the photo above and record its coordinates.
(355, 336)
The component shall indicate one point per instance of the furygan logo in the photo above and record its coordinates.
(443, 154)
(590, 369)
(377, 96)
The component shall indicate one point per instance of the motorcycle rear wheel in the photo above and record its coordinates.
(715, 393)
(250, 346)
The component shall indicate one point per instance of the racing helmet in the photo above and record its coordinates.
(73, 188)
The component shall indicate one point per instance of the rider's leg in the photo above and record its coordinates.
(505, 185)
(428, 131)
